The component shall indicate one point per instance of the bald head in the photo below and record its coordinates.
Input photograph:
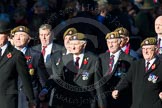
(158, 26)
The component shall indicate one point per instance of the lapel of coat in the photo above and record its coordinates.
(8, 54)
(106, 61)
(39, 47)
(53, 48)
(28, 55)
(68, 62)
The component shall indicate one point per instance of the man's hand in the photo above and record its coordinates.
(115, 94)
(103, 12)
(160, 95)
(43, 94)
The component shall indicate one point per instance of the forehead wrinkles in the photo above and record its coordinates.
(112, 40)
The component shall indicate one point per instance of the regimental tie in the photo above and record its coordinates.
(77, 62)
(147, 66)
(44, 50)
(111, 62)
(158, 45)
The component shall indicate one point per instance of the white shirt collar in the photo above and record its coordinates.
(116, 57)
(116, 54)
(4, 48)
(23, 50)
(151, 62)
(124, 48)
(48, 51)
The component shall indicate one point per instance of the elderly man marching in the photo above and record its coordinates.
(115, 64)
(125, 45)
(74, 76)
(145, 77)
(34, 59)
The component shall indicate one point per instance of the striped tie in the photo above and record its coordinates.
(111, 62)
(147, 66)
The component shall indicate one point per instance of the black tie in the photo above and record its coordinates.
(77, 62)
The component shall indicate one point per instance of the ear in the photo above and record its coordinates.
(84, 45)
(29, 38)
(127, 38)
(156, 49)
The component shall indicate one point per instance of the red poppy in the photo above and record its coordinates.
(9, 55)
(28, 57)
(30, 66)
(153, 66)
(85, 61)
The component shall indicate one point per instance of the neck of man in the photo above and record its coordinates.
(160, 35)
(19, 47)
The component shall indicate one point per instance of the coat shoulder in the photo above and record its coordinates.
(92, 55)
(37, 47)
(103, 54)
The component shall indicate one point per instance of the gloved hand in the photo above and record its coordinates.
(43, 94)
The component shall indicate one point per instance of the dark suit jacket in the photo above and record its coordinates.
(39, 74)
(12, 64)
(55, 47)
(120, 69)
(145, 92)
(70, 83)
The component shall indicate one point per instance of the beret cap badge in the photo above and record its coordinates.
(20, 28)
(120, 31)
(70, 32)
(149, 41)
(112, 36)
(146, 42)
(74, 37)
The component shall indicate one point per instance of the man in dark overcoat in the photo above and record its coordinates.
(113, 69)
(73, 79)
(12, 65)
(21, 37)
(145, 77)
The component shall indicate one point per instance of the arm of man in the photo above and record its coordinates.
(99, 82)
(22, 70)
(42, 73)
(124, 82)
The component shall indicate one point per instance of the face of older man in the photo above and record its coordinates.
(113, 45)
(76, 46)
(148, 52)
(124, 41)
(3, 39)
(158, 25)
(45, 37)
(21, 39)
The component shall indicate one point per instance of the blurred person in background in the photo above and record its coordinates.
(47, 46)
